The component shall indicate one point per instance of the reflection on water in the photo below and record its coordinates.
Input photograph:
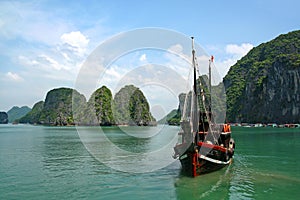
(61, 151)
(122, 151)
(208, 186)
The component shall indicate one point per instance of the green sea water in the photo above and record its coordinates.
(38, 162)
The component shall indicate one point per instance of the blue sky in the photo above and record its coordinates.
(44, 43)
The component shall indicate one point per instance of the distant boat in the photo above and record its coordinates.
(205, 146)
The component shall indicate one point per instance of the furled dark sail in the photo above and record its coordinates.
(194, 109)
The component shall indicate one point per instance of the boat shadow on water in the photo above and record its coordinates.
(235, 181)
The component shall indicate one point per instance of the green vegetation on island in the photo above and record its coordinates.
(33, 116)
(173, 118)
(168, 117)
(100, 103)
(131, 107)
(264, 86)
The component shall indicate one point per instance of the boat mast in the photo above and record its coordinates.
(194, 111)
(209, 82)
(194, 66)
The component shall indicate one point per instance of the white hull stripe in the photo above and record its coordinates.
(214, 160)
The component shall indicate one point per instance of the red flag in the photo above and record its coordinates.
(212, 58)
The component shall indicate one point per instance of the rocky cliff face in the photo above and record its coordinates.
(277, 99)
(58, 106)
(3, 118)
(132, 108)
(264, 86)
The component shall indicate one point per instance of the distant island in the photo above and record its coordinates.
(17, 112)
(66, 106)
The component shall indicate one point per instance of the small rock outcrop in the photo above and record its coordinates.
(3, 118)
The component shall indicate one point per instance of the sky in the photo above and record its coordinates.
(44, 44)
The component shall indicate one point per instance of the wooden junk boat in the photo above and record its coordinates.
(205, 146)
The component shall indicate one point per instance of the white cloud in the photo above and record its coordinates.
(26, 61)
(42, 62)
(75, 38)
(48, 67)
(114, 72)
(76, 42)
(223, 66)
(143, 57)
(177, 48)
(227, 56)
(238, 50)
(14, 76)
(112, 76)
(48, 61)
(65, 55)
(177, 60)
